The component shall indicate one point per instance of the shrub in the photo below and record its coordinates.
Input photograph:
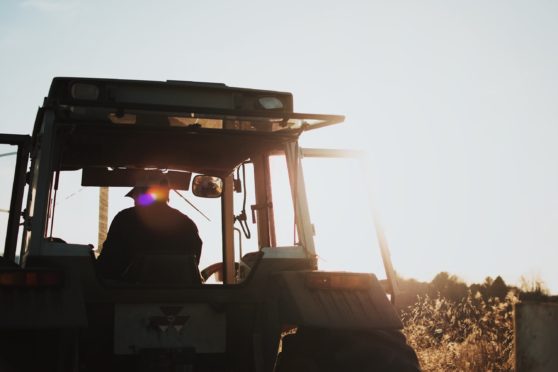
(472, 334)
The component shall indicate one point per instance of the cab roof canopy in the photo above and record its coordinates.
(203, 127)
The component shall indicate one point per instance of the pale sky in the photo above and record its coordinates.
(454, 101)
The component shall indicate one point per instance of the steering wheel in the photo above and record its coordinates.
(216, 268)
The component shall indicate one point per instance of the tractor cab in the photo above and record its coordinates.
(119, 133)
(231, 160)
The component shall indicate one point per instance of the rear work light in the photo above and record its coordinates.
(30, 279)
(337, 281)
(83, 91)
(270, 103)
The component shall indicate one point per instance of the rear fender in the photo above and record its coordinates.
(334, 300)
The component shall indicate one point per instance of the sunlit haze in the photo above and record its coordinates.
(453, 101)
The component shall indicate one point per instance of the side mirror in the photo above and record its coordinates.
(207, 186)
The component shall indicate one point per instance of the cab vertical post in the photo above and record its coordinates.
(228, 230)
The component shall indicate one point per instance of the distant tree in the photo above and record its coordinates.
(410, 289)
(498, 288)
(448, 286)
(476, 288)
(492, 288)
(451, 287)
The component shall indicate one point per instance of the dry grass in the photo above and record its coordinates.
(473, 334)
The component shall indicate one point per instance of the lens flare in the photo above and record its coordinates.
(146, 199)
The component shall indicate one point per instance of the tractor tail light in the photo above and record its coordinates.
(30, 279)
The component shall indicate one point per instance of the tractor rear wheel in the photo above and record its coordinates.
(312, 350)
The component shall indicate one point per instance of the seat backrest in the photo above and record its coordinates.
(163, 269)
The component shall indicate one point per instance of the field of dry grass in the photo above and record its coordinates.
(473, 334)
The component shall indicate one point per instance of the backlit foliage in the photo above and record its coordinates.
(472, 334)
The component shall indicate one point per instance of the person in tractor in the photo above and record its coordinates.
(151, 227)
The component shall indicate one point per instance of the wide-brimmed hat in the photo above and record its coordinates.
(137, 191)
(143, 186)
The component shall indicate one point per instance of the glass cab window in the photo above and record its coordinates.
(340, 209)
(76, 210)
(285, 225)
(75, 214)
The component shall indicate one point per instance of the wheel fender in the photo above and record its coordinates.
(335, 300)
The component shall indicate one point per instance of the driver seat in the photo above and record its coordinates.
(163, 269)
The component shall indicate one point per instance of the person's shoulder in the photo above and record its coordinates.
(125, 213)
(179, 214)
(127, 210)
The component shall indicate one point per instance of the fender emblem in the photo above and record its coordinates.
(170, 319)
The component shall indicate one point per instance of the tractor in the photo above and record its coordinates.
(258, 301)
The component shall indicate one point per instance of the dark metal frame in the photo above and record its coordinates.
(60, 97)
(211, 113)
(23, 142)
